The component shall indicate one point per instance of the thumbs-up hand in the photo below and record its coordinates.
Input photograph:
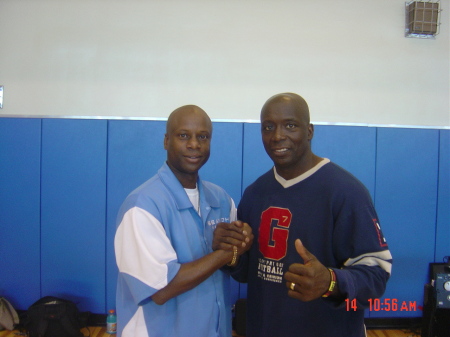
(309, 280)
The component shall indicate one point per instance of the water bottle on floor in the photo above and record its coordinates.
(111, 322)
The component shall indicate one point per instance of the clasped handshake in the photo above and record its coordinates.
(231, 236)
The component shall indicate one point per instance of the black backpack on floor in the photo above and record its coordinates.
(55, 317)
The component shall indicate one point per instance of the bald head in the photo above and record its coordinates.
(189, 111)
(297, 102)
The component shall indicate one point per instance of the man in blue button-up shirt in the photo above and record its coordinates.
(170, 282)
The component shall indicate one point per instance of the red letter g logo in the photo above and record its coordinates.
(274, 232)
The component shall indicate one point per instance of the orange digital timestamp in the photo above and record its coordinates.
(387, 304)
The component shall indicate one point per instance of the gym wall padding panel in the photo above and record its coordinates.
(406, 201)
(443, 216)
(20, 161)
(73, 211)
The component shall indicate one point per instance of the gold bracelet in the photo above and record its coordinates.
(233, 260)
(332, 283)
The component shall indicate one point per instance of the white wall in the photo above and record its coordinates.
(143, 58)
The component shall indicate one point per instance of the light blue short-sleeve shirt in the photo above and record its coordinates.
(158, 230)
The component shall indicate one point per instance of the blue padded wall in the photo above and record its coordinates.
(405, 198)
(73, 211)
(20, 161)
(62, 182)
(443, 216)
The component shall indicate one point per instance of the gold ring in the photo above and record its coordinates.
(292, 286)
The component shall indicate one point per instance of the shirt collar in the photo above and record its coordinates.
(291, 182)
(179, 194)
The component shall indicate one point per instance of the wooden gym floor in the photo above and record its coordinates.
(101, 332)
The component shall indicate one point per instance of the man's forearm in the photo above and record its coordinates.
(191, 274)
